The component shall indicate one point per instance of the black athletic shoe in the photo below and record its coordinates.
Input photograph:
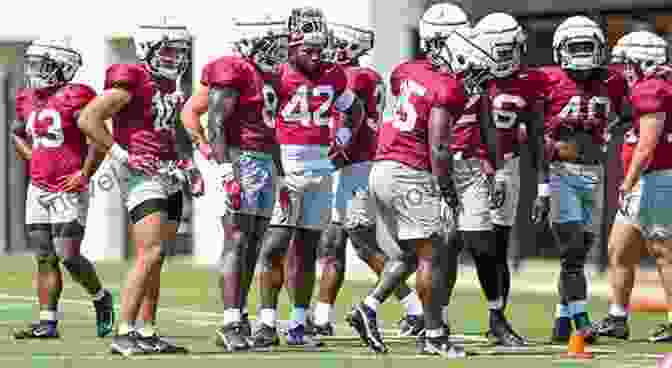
(420, 341)
(104, 315)
(502, 332)
(611, 326)
(364, 320)
(662, 333)
(265, 337)
(245, 326)
(411, 325)
(39, 330)
(156, 345)
(230, 336)
(562, 330)
(442, 346)
(126, 345)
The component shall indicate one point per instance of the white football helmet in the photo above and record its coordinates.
(349, 43)
(50, 62)
(643, 52)
(165, 48)
(308, 25)
(579, 44)
(265, 42)
(467, 58)
(437, 23)
(500, 35)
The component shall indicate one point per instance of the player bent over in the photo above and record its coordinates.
(413, 152)
(143, 105)
(312, 93)
(642, 221)
(352, 209)
(61, 164)
(238, 95)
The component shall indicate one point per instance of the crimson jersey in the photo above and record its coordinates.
(466, 134)
(369, 86)
(247, 128)
(418, 88)
(509, 97)
(647, 96)
(307, 107)
(591, 103)
(58, 146)
(153, 107)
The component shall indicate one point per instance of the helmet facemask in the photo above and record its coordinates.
(49, 66)
(507, 58)
(269, 52)
(170, 58)
(581, 53)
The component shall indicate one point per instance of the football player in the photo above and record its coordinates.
(312, 95)
(237, 92)
(582, 99)
(413, 154)
(352, 212)
(514, 94)
(61, 164)
(142, 103)
(638, 223)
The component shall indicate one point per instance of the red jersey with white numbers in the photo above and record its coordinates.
(308, 105)
(510, 98)
(418, 88)
(58, 146)
(246, 128)
(153, 108)
(586, 106)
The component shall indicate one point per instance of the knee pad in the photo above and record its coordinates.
(572, 245)
(69, 230)
(480, 243)
(75, 265)
(174, 207)
(39, 238)
(275, 243)
(148, 207)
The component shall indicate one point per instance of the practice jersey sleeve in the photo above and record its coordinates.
(650, 97)
(450, 95)
(223, 73)
(122, 76)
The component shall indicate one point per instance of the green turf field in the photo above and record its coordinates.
(190, 311)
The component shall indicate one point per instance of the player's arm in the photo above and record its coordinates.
(488, 131)
(222, 102)
(650, 129)
(196, 106)
(22, 146)
(534, 123)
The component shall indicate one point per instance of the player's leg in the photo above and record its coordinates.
(49, 279)
(568, 223)
(149, 208)
(150, 339)
(67, 235)
(626, 248)
(271, 277)
(300, 271)
(656, 224)
(477, 233)
(251, 258)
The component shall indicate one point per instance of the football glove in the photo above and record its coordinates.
(542, 204)
(498, 194)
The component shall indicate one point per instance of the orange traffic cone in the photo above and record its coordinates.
(648, 305)
(577, 347)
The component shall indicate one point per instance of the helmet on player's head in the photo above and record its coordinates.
(579, 44)
(348, 43)
(265, 42)
(165, 48)
(466, 58)
(50, 62)
(502, 36)
(644, 54)
(437, 23)
(307, 25)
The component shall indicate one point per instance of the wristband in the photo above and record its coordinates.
(543, 190)
(118, 153)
